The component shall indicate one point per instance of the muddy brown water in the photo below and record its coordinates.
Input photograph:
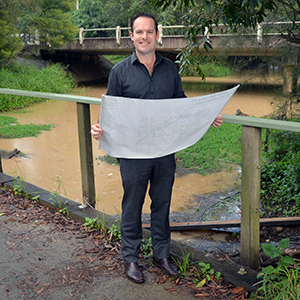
(53, 157)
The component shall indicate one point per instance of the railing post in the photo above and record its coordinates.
(118, 36)
(81, 36)
(259, 33)
(160, 30)
(1, 170)
(250, 227)
(86, 153)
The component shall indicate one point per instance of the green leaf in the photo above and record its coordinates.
(283, 244)
(271, 250)
(252, 5)
(269, 270)
(287, 260)
(208, 8)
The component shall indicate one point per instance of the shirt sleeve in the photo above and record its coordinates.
(179, 93)
(114, 86)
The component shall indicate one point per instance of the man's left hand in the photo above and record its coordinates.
(218, 121)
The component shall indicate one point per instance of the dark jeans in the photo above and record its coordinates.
(136, 173)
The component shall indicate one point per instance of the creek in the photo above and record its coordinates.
(51, 160)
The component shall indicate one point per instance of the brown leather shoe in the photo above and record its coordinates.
(166, 265)
(133, 272)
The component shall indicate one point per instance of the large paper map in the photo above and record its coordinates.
(139, 128)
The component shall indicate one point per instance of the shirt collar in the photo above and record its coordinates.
(134, 57)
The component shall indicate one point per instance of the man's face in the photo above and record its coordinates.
(144, 36)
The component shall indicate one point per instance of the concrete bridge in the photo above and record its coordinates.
(90, 50)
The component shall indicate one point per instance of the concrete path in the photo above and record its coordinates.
(43, 261)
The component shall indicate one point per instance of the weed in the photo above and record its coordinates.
(184, 266)
(36, 199)
(114, 233)
(205, 272)
(17, 188)
(64, 210)
(55, 197)
(111, 160)
(236, 234)
(282, 281)
(92, 223)
(146, 247)
(20, 131)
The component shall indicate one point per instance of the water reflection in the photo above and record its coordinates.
(54, 156)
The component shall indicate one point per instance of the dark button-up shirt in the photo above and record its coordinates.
(131, 79)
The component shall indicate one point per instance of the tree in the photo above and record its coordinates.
(10, 42)
(90, 14)
(287, 12)
(49, 21)
(202, 15)
(112, 13)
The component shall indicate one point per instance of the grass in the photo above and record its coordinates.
(22, 76)
(10, 128)
(218, 147)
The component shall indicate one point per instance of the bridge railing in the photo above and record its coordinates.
(219, 30)
(251, 162)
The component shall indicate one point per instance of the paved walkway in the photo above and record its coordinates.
(42, 260)
(45, 259)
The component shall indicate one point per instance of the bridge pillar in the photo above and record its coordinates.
(290, 62)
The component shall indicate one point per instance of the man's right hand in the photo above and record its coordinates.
(96, 132)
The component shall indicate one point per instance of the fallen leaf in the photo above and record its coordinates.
(238, 290)
(39, 291)
(201, 283)
(202, 295)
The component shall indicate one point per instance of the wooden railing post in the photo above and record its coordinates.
(250, 227)
(86, 153)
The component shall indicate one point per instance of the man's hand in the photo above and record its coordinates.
(218, 121)
(96, 132)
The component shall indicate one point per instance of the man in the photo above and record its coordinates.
(146, 75)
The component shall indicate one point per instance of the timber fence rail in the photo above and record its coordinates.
(251, 162)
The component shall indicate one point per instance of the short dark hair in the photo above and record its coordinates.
(143, 14)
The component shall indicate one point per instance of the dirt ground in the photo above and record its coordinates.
(69, 258)
(38, 273)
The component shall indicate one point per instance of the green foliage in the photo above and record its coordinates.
(146, 247)
(115, 58)
(114, 233)
(20, 131)
(10, 128)
(111, 160)
(184, 264)
(92, 223)
(10, 42)
(281, 282)
(280, 175)
(97, 14)
(210, 69)
(206, 156)
(205, 272)
(17, 188)
(90, 14)
(51, 79)
(202, 15)
(48, 21)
